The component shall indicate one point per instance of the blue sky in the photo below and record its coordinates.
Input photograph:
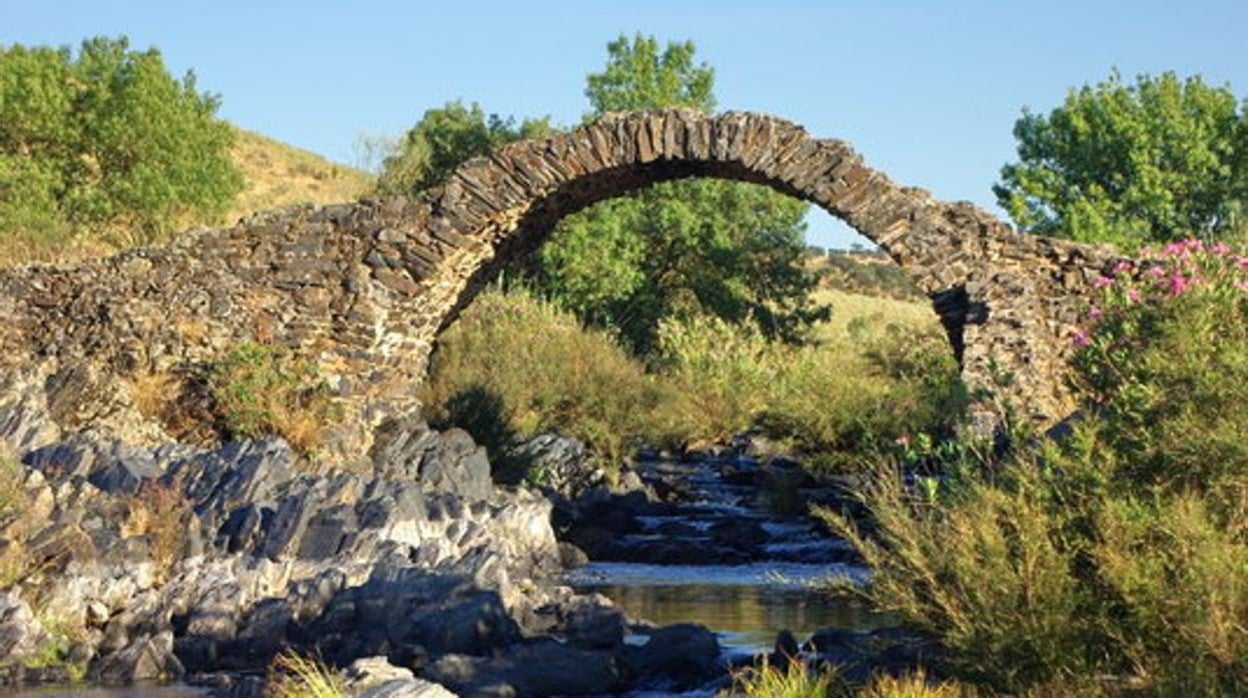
(926, 91)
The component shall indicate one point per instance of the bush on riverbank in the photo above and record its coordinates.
(517, 365)
(514, 365)
(1121, 552)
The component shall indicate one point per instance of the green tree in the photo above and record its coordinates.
(727, 249)
(107, 137)
(445, 137)
(1131, 164)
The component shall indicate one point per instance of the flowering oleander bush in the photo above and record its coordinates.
(1164, 360)
(1115, 561)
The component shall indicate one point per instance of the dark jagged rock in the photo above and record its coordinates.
(686, 655)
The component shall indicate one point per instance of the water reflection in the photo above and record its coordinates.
(747, 604)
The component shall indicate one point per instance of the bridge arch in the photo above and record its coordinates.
(1008, 302)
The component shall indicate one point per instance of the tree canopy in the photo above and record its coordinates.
(445, 137)
(727, 249)
(107, 137)
(1154, 161)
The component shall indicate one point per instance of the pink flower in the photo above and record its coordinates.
(1101, 282)
(1095, 314)
(1178, 284)
(1242, 262)
(902, 441)
(1156, 271)
(1133, 295)
(1081, 339)
(1123, 267)
(1175, 248)
(1220, 248)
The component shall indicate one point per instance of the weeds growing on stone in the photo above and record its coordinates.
(262, 389)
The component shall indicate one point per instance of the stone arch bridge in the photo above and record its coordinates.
(364, 288)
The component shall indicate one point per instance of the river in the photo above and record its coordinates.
(769, 577)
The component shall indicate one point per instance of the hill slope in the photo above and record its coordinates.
(279, 175)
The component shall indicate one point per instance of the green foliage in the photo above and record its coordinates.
(1118, 557)
(443, 139)
(837, 401)
(106, 137)
(1155, 161)
(639, 76)
(260, 389)
(1166, 363)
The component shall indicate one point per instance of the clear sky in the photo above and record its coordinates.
(926, 91)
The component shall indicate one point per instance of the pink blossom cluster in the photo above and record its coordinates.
(1158, 276)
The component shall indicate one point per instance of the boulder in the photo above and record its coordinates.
(20, 632)
(564, 464)
(536, 668)
(684, 656)
(147, 658)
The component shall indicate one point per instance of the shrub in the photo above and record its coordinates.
(261, 389)
(724, 372)
(1165, 361)
(837, 400)
(161, 512)
(515, 364)
(105, 139)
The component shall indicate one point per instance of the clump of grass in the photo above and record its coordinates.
(914, 685)
(794, 680)
(178, 402)
(161, 512)
(261, 389)
(293, 675)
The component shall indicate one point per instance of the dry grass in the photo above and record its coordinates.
(160, 512)
(279, 175)
(296, 676)
(855, 313)
(914, 685)
(15, 564)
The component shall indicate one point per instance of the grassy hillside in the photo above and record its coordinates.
(278, 175)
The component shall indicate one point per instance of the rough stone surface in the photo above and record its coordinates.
(365, 288)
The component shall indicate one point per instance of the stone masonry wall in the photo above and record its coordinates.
(365, 288)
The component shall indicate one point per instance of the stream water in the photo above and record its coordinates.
(768, 577)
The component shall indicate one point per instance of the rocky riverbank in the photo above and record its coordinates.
(203, 564)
